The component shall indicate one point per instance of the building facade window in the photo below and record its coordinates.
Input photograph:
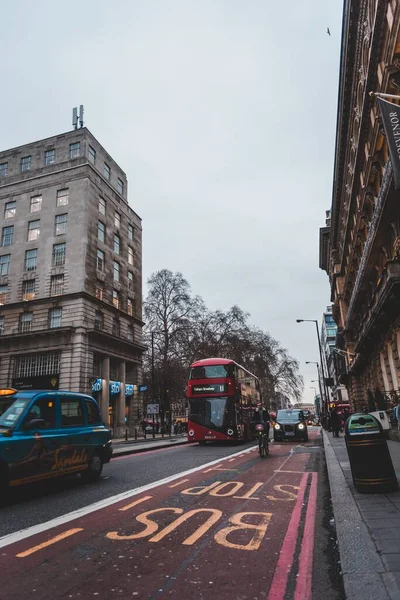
(98, 320)
(33, 230)
(60, 225)
(49, 157)
(57, 285)
(7, 236)
(120, 186)
(62, 197)
(58, 258)
(130, 307)
(116, 271)
(116, 327)
(33, 365)
(5, 264)
(130, 280)
(36, 204)
(117, 220)
(102, 206)
(25, 322)
(3, 294)
(28, 290)
(101, 232)
(99, 291)
(92, 154)
(115, 299)
(101, 260)
(131, 333)
(130, 255)
(130, 232)
(1, 325)
(10, 209)
(25, 163)
(74, 150)
(3, 169)
(107, 171)
(31, 259)
(117, 243)
(55, 316)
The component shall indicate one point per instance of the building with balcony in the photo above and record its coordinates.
(70, 274)
(360, 244)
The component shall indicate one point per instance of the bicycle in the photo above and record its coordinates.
(263, 442)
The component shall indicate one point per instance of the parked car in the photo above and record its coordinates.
(290, 425)
(46, 434)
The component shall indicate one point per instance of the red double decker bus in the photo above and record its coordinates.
(222, 398)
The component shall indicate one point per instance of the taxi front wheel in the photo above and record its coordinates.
(94, 470)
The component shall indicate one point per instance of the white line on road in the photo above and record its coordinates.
(174, 485)
(17, 536)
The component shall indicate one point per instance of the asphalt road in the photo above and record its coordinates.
(33, 504)
(242, 527)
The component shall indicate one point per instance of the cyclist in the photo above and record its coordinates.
(261, 415)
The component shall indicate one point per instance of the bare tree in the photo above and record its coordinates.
(168, 309)
(183, 330)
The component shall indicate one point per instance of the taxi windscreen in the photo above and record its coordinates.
(11, 410)
(290, 415)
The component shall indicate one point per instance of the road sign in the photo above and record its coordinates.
(142, 388)
(153, 409)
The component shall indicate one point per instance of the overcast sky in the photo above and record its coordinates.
(223, 115)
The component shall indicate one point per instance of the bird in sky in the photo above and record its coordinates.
(327, 31)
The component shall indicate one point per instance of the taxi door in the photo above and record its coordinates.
(35, 443)
(72, 455)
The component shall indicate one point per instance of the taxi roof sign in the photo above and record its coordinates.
(7, 391)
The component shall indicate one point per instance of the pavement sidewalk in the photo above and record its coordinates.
(367, 526)
(132, 446)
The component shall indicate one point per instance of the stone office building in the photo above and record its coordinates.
(70, 274)
(360, 244)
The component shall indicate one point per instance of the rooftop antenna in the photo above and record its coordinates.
(75, 117)
(81, 115)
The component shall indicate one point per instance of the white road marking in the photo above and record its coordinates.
(17, 536)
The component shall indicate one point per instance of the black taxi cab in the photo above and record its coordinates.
(45, 434)
(290, 425)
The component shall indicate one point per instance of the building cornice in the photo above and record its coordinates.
(58, 300)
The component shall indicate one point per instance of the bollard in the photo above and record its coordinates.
(369, 456)
(136, 434)
(126, 435)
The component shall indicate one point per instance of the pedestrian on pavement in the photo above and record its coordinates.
(346, 415)
(334, 422)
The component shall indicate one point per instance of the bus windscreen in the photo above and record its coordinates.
(210, 372)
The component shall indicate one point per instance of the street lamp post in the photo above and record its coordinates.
(315, 392)
(321, 358)
(153, 333)
(309, 362)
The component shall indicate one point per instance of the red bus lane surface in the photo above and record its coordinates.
(242, 527)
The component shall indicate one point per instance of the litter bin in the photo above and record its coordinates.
(370, 461)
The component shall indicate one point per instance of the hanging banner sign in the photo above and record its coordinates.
(129, 389)
(391, 122)
(115, 387)
(96, 384)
